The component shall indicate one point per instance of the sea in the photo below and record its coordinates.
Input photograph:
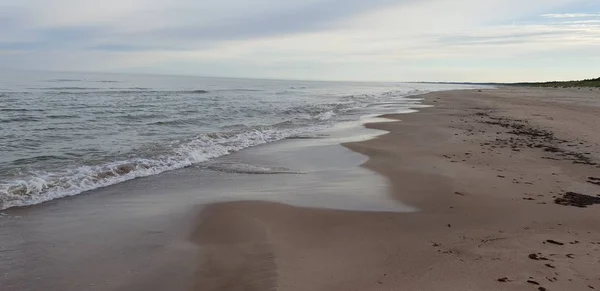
(62, 134)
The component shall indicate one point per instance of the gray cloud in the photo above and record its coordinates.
(324, 39)
(54, 38)
(513, 38)
(181, 34)
(571, 15)
(319, 15)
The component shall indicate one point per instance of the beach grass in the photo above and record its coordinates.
(565, 84)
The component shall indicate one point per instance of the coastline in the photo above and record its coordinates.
(459, 196)
(483, 167)
(137, 232)
(202, 120)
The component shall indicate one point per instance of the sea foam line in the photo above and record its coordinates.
(42, 187)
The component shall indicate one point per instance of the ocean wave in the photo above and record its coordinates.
(239, 90)
(325, 115)
(307, 136)
(132, 90)
(242, 168)
(139, 116)
(237, 126)
(322, 112)
(64, 80)
(62, 116)
(37, 159)
(20, 119)
(42, 187)
(129, 88)
(293, 122)
(178, 122)
(69, 88)
(20, 110)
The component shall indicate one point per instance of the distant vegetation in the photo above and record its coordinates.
(566, 84)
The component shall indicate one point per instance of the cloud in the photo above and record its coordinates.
(553, 35)
(324, 39)
(312, 17)
(571, 15)
(130, 25)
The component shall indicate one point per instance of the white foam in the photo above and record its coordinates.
(242, 168)
(42, 187)
(325, 115)
(45, 186)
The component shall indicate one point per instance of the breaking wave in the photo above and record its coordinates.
(41, 187)
(132, 90)
(241, 168)
(234, 123)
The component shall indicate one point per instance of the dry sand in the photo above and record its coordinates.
(483, 167)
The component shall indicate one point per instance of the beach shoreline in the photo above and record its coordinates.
(459, 196)
(483, 166)
(137, 232)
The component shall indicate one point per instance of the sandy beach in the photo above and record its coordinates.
(505, 183)
(491, 189)
(320, 145)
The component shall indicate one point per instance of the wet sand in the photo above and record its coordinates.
(488, 171)
(464, 200)
(136, 235)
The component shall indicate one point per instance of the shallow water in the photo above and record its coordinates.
(133, 235)
(135, 232)
(62, 134)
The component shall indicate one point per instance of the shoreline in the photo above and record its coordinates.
(485, 191)
(35, 190)
(137, 233)
(459, 196)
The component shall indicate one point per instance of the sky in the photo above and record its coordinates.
(361, 40)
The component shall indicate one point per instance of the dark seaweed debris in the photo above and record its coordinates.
(525, 135)
(576, 199)
(594, 180)
(555, 242)
(537, 257)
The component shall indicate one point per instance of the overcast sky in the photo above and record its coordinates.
(371, 40)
